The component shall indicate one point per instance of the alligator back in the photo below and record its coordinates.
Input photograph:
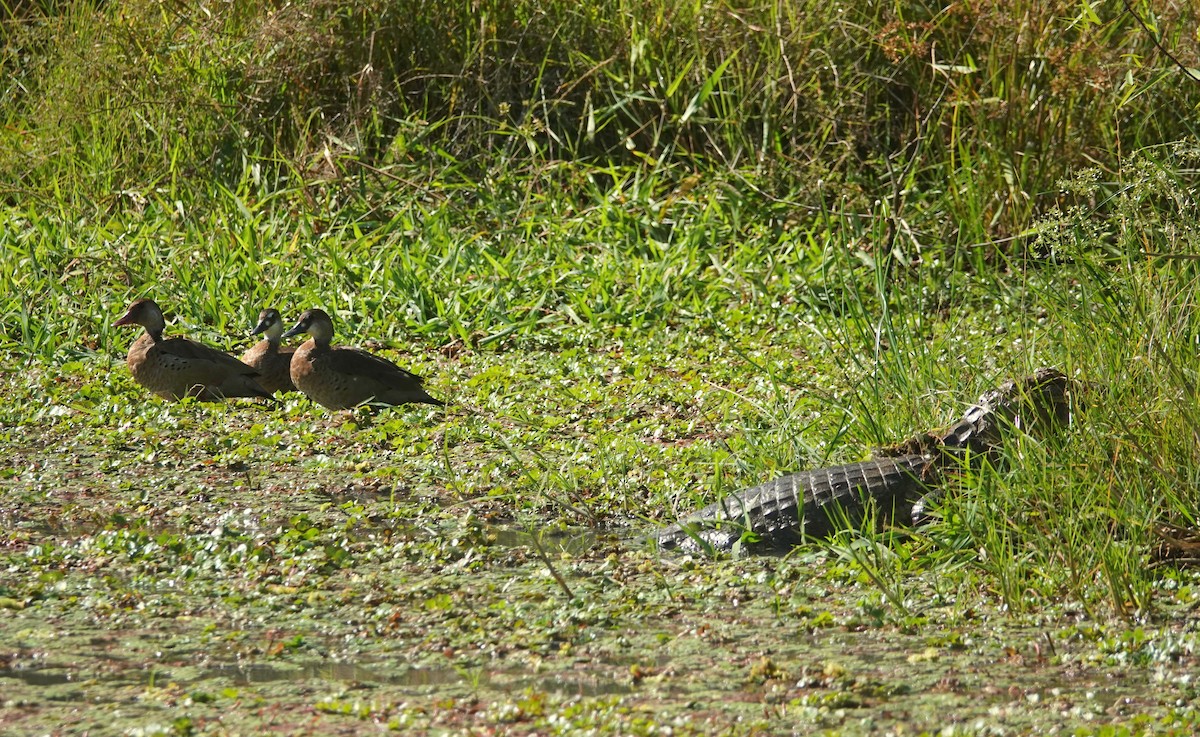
(783, 512)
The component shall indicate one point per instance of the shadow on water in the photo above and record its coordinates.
(1087, 690)
(415, 678)
(37, 677)
(246, 675)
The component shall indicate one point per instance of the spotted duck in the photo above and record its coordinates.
(341, 378)
(274, 364)
(174, 368)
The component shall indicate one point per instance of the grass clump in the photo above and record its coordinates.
(978, 107)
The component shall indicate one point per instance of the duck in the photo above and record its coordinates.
(174, 368)
(273, 363)
(340, 378)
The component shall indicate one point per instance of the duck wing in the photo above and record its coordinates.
(193, 365)
(368, 366)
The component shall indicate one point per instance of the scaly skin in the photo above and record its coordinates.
(783, 512)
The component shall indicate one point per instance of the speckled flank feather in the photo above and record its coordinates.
(274, 364)
(341, 378)
(174, 368)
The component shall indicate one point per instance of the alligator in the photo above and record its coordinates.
(898, 482)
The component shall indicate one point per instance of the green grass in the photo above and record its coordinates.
(613, 382)
(651, 255)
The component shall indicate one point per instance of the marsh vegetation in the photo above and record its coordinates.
(649, 253)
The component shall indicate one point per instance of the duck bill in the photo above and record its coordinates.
(261, 327)
(296, 330)
(126, 319)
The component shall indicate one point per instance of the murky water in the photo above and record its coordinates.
(245, 675)
(37, 677)
(573, 541)
(420, 679)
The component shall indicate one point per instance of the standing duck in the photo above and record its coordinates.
(341, 378)
(174, 368)
(274, 364)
